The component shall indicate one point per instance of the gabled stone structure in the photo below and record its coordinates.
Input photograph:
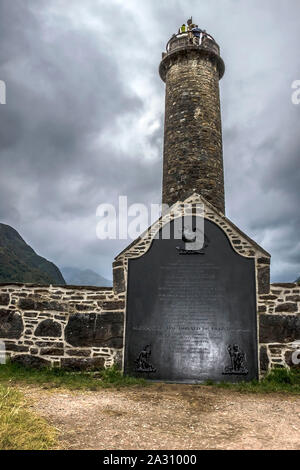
(195, 205)
(240, 242)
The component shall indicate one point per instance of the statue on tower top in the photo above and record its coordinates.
(195, 34)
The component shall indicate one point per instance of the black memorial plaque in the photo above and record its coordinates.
(191, 315)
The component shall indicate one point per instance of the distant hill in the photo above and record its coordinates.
(298, 280)
(85, 277)
(20, 263)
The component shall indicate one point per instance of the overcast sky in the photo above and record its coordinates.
(83, 122)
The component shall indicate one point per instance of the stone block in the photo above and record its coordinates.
(4, 299)
(51, 352)
(48, 328)
(293, 298)
(264, 359)
(95, 330)
(26, 304)
(263, 279)
(113, 305)
(279, 328)
(88, 364)
(11, 324)
(79, 352)
(27, 360)
(289, 307)
(15, 347)
(118, 280)
(49, 344)
(262, 308)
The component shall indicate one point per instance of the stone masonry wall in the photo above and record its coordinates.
(279, 332)
(70, 326)
(82, 328)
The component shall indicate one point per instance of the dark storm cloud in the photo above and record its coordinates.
(83, 122)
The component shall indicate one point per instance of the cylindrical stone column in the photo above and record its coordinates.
(193, 156)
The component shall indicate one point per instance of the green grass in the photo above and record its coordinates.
(59, 378)
(277, 381)
(20, 429)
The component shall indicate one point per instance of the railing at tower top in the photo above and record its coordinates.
(188, 39)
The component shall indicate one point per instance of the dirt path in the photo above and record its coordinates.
(170, 417)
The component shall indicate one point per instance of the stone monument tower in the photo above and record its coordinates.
(192, 313)
(193, 157)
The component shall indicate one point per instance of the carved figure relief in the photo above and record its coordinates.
(142, 362)
(238, 361)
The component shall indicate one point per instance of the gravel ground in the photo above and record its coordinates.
(166, 416)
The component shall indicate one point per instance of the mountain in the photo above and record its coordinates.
(20, 263)
(85, 277)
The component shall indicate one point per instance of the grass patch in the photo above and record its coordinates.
(279, 380)
(21, 429)
(60, 378)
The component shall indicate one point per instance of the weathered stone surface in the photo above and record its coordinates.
(49, 344)
(113, 305)
(94, 363)
(51, 305)
(118, 280)
(287, 285)
(263, 279)
(27, 360)
(26, 304)
(279, 328)
(79, 352)
(11, 324)
(84, 307)
(275, 350)
(31, 303)
(118, 264)
(268, 297)
(98, 330)
(264, 359)
(60, 317)
(293, 298)
(15, 347)
(51, 352)
(287, 307)
(48, 328)
(34, 350)
(262, 308)
(4, 299)
(264, 260)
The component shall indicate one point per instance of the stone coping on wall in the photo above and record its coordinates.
(54, 286)
(195, 205)
(240, 242)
